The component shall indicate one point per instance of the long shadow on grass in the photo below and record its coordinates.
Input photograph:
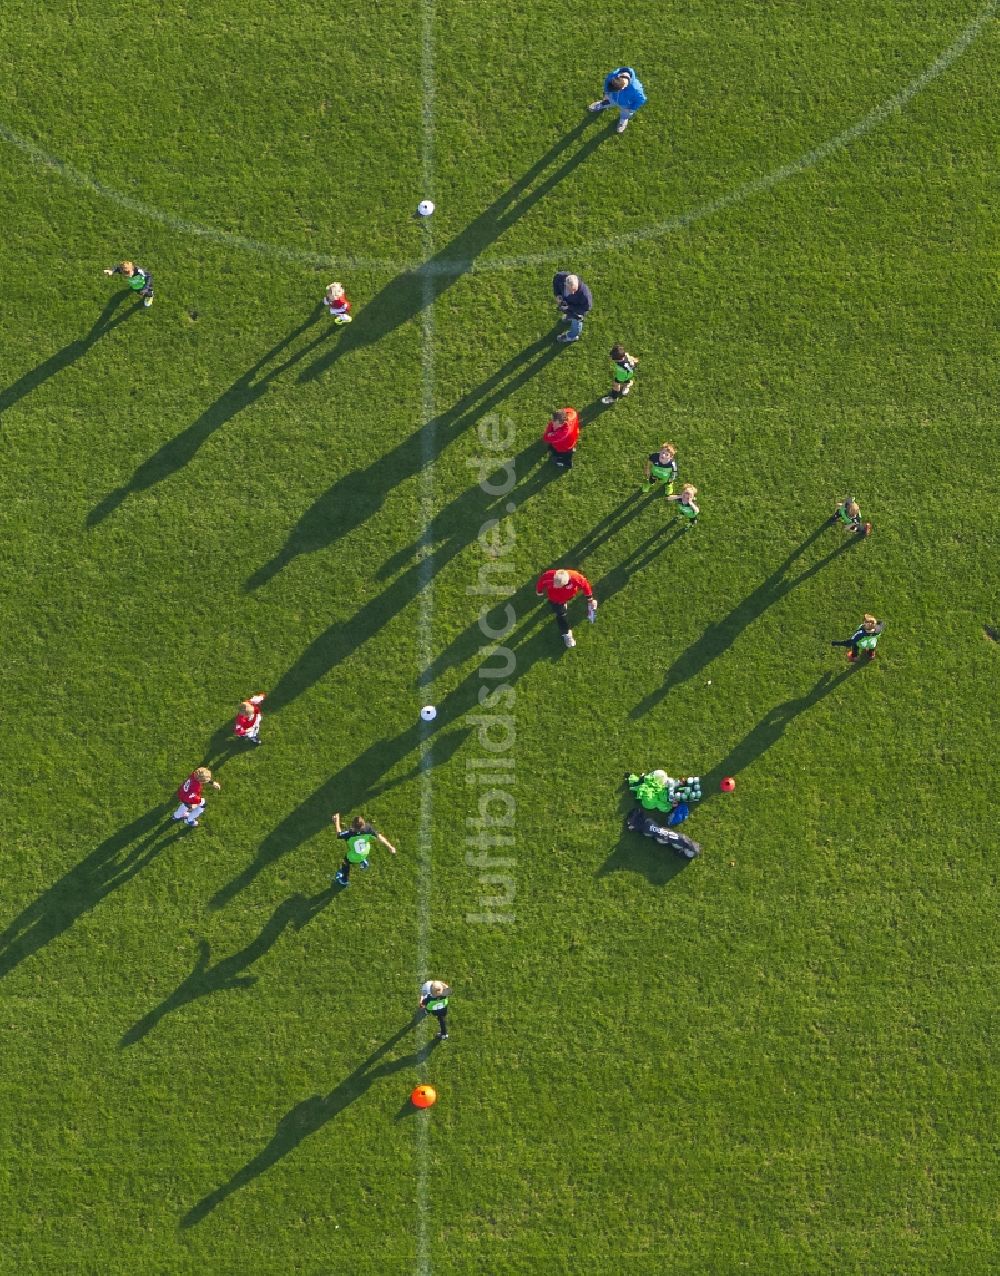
(368, 774)
(116, 861)
(404, 297)
(358, 782)
(498, 607)
(455, 527)
(104, 323)
(769, 730)
(637, 854)
(229, 973)
(356, 497)
(719, 637)
(179, 451)
(309, 1116)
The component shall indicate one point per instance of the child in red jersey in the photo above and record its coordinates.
(559, 587)
(562, 435)
(337, 305)
(247, 724)
(192, 796)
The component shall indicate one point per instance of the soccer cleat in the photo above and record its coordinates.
(192, 824)
(565, 336)
(599, 106)
(442, 1036)
(610, 398)
(340, 879)
(341, 319)
(364, 864)
(569, 640)
(621, 126)
(148, 302)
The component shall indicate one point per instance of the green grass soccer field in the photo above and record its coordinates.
(775, 1059)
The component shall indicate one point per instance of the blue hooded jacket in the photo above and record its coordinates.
(632, 96)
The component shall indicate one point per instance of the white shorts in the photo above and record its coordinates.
(189, 813)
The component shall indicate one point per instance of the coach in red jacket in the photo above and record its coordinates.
(560, 586)
(562, 435)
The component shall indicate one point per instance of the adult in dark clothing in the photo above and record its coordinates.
(575, 302)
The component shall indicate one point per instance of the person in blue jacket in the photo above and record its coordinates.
(621, 89)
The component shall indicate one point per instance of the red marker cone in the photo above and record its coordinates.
(728, 784)
(424, 1096)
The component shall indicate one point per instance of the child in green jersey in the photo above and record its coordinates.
(360, 838)
(864, 639)
(623, 371)
(686, 505)
(848, 515)
(661, 467)
(434, 996)
(139, 280)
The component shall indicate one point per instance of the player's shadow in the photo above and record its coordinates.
(311, 1115)
(644, 554)
(360, 780)
(404, 297)
(769, 730)
(459, 522)
(634, 853)
(721, 635)
(116, 861)
(370, 773)
(229, 973)
(179, 451)
(523, 601)
(451, 531)
(355, 497)
(105, 322)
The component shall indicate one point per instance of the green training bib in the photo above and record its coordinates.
(359, 847)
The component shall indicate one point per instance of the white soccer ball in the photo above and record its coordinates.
(425, 207)
(428, 713)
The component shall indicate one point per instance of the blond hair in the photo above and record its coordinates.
(869, 621)
(689, 489)
(561, 578)
(669, 447)
(335, 290)
(852, 508)
(127, 267)
(247, 706)
(571, 283)
(437, 987)
(204, 774)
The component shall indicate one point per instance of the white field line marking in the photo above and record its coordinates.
(758, 185)
(680, 221)
(75, 177)
(425, 614)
